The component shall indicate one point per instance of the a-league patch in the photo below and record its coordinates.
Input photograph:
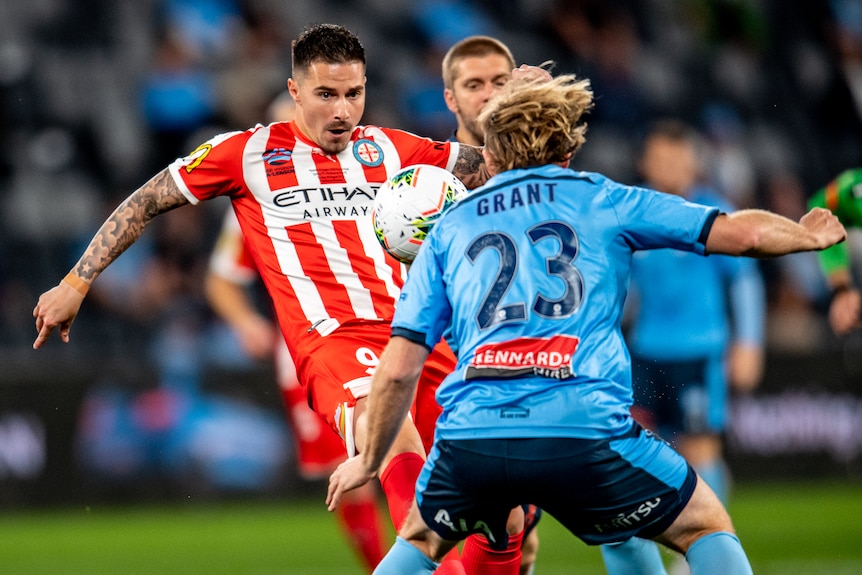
(368, 152)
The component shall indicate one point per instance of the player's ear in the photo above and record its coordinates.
(449, 97)
(293, 88)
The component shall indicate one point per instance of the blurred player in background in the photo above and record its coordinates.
(318, 449)
(531, 271)
(698, 322)
(843, 197)
(473, 70)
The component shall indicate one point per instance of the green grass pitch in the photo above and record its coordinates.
(787, 528)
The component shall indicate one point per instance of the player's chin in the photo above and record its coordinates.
(336, 142)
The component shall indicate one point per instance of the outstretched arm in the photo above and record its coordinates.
(58, 307)
(760, 234)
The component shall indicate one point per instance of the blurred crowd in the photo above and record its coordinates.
(98, 95)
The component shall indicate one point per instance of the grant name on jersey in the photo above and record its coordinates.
(514, 198)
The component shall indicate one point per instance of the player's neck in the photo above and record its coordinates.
(466, 137)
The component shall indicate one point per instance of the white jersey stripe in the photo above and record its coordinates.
(289, 262)
(339, 263)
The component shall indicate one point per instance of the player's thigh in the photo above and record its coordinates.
(337, 372)
(463, 491)
(319, 449)
(607, 490)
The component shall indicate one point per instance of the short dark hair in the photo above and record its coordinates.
(330, 43)
(472, 46)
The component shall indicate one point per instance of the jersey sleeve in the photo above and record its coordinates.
(419, 150)
(423, 312)
(213, 169)
(652, 220)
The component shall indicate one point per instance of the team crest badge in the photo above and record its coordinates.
(368, 153)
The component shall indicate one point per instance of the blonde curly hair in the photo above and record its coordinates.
(535, 122)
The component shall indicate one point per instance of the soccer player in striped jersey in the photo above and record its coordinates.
(302, 192)
(318, 448)
(531, 272)
(843, 197)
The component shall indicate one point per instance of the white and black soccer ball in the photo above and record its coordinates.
(409, 203)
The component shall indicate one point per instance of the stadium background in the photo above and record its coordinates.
(97, 95)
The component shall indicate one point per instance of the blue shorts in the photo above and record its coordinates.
(680, 397)
(603, 491)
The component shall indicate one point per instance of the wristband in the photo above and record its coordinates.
(77, 283)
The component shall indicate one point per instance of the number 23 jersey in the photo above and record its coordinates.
(532, 270)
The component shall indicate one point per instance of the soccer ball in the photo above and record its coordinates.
(409, 203)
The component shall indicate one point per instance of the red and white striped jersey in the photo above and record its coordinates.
(306, 216)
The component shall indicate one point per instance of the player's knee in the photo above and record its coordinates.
(703, 514)
(515, 522)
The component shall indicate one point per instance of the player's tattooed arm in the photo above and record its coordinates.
(126, 224)
(470, 166)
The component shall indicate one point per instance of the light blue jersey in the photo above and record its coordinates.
(542, 355)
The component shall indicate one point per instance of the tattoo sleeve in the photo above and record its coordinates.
(470, 166)
(126, 224)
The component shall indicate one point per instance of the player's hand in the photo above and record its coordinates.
(527, 73)
(845, 310)
(56, 308)
(257, 336)
(825, 227)
(349, 475)
(745, 366)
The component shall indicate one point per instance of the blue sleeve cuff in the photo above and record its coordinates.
(414, 336)
(707, 226)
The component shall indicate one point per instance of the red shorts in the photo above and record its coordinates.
(318, 448)
(337, 371)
